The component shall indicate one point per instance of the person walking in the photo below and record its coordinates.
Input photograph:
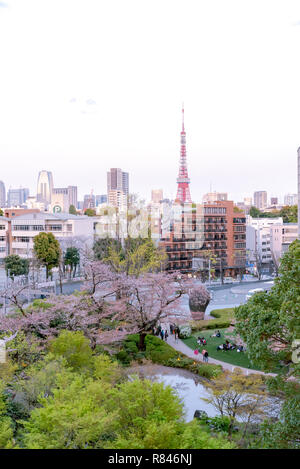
(166, 335)
(162, 334)
(204, 355)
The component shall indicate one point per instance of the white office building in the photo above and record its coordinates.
(281, 236)
(63, 226)
(4, 227)
(258, 238)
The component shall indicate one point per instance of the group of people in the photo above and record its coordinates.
(164, 334)
(201, 341)
(174, 330)
(229, 346)
(204, 354)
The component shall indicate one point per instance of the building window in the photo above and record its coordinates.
(21, 227)
(54, 228)
(22, 239)
(240, 245)
(70, 227)
(2, 227)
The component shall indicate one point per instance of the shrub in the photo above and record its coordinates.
(199, 298)
(201, 369)
(226, 314)
(74, 347)
(185, 331)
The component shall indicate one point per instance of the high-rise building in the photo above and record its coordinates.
(70, 192)
(2, 194)
(117, 198)
(117, 180)
(125, 183)
(89, 201)
(156, 195)
(72, 195)
(290, 199)
(260, 199)
(17, 197)
(248, 201)
(44, 187)
(214, 196)
(183, 180)
(100, 199)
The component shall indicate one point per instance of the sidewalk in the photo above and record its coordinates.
(181, 347)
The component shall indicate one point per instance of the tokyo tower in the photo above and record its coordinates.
(183, 180)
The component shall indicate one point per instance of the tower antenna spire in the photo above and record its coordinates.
(183, 181)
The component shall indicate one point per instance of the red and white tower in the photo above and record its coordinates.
(183, 180)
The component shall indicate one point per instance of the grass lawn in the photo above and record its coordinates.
(229, 356)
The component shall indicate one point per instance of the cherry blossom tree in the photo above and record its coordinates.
(111, 306)
(199, 297)
(152, 299)
(15, 293)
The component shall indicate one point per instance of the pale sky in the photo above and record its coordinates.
(93, 84)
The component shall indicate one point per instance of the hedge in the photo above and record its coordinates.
(162, 353)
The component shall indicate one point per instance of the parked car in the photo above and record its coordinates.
(228, 280)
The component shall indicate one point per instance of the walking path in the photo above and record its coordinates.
(181, 347)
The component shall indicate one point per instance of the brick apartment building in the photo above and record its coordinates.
(182, 236)
(225, 236)
(212, 229)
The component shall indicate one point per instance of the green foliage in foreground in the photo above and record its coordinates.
(269, 324)
(67, 402)
(162, 353)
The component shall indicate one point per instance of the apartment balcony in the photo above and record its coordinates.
(25, 233)
(22, 245)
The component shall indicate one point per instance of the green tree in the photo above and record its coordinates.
(1, 212)
(15, 266)
(72, 210)
(102, 245)
(237, 395)
(255, 212)
(72, 258)
(138, 255)
(90, 212)
(47, 251)
(74, 347)
(73, 417)
(289, 214)
(269, 324)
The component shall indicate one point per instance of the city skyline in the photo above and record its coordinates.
(240, 92)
